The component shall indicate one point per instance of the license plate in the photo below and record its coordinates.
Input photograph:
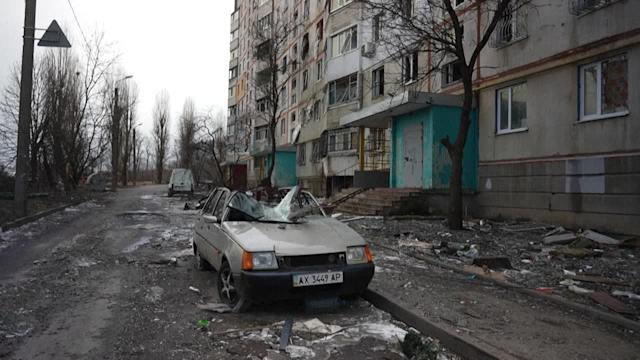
(334, 277)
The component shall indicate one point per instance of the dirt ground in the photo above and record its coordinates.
(97, 281)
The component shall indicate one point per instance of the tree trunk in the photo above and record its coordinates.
(272, 164)
(455, 191)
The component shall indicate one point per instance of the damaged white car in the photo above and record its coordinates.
(291, 250)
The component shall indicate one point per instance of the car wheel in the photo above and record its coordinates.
(200, 263)
(228, 290)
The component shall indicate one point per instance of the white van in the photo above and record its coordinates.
(181, 182)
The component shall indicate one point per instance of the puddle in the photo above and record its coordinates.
(133, 247)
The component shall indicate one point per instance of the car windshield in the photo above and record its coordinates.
(293, 207)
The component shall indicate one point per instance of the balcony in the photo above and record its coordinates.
(260, 147)
(235, 20)
(234, 44)
(582, 7)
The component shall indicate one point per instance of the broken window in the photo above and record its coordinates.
(343, 90)
(604, 88)
(410, 67)
(344, 41)
(263, 50)
(451, 72)
(315, 152)
(305, 79)
(376, 23)
(302, 154)
(512, 108)
(305, 46)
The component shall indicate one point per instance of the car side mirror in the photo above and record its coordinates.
(210, 219)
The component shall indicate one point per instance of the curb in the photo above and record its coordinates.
(27, 219)
(585, 309)
(462, 345)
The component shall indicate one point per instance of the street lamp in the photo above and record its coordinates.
(115, 135)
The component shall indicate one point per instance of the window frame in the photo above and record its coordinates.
(508, 130)
(377, 82)
(344, 3)
(347, 29)
(581, 93)
(333, 84)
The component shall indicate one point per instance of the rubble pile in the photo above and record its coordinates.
(585, 266)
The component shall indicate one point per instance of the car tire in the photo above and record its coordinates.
(199, 262)
(228, 290)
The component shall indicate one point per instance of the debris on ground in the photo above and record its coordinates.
(612, 303)
(494, 263)
(215, 307)
(579, 290)
(415, 348)
(541, 256)
(285, 334)
(628, 294)
(316, 326)
(194, 289)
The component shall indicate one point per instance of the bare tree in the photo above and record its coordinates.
(212, 145)
(435, 28)
(161, 118)
(270, 36)
(187, 130)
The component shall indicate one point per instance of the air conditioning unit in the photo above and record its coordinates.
(368, 49)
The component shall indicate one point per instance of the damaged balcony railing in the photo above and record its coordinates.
(581, 7)
(377, 150)
(512, 27)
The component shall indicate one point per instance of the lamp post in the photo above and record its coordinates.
(115, 136)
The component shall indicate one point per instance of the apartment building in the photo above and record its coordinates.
(556, 123)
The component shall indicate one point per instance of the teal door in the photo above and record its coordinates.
(412, 155)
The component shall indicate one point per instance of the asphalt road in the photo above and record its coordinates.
(93, 282)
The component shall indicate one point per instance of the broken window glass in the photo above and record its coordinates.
(614, 85)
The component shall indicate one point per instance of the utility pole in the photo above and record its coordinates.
(115, 146)
(135, 163)
(24, 119)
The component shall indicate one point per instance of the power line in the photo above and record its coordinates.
(78, 22)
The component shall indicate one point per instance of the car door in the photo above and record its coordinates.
(203, 228)
(217, 235)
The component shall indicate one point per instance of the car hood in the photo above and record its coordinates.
(316, 235)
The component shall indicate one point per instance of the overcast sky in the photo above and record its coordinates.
(182, 46)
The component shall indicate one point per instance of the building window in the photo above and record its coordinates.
(604, 89)
(344, 41)
(231, 112)
(264, 24)
(233, 72)
(282, 97)
(451, 72)
(231, 91)
(319, 70)
(581, 7)
(302, 154)
(261, 104)
(375, 25)
(263, 50)
(320, 30)
(343, 140)
(512, 27)
(261, 132)
(407, 8)
(410, 68)
(316, 153)
(377, 77)
(284, 64)
(512, 108)
(343, 90)
(305, 11)
(460, 2)
(337, 4)
(305, 46)
(283, 127)
(305, 79)
(294, 57)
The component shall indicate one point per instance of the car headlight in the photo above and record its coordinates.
(359, 255)
(259, 261)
